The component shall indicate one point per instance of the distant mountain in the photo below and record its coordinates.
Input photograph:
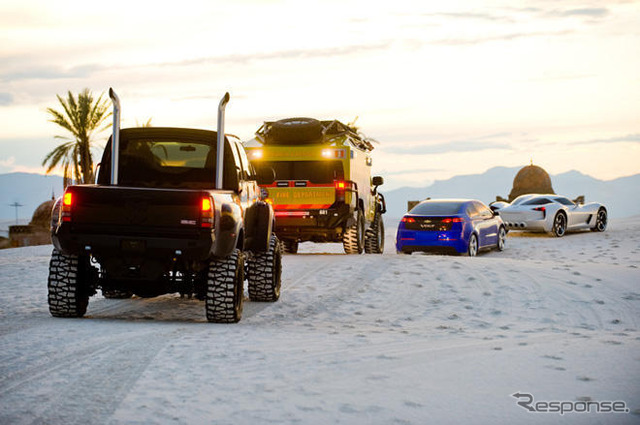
(619, 195)
(27, 189)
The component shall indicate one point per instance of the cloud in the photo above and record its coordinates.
(22, 69)
(502, 37)
(283, 54)
(28, 72)
(629, 138)
(584, 12)
(589, 12)
(6, 99)
(411, 171)
(474, 145)
(471, 15)
(8, 162)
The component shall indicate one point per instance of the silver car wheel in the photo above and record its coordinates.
(502, 238)
(559, 225)
(473, 245)
(601, 220)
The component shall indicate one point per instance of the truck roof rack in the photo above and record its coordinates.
(309, 130)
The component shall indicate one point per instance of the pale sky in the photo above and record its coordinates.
(450, 88)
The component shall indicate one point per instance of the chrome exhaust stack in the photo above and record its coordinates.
(220, 152)
(115, 139)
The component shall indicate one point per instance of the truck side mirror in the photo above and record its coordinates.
(377, 181)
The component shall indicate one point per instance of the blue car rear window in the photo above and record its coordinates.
(437, 208)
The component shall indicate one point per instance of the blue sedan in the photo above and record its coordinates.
(462, 226)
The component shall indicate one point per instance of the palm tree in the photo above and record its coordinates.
(81, 117)
(145, 124)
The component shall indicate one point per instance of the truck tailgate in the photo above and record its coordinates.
(135, 210)
(304, 198)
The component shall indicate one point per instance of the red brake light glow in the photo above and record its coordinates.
(206, 204)
(452, 220)
(65, 210)
(291, 213)
(408, 220)
(543, 209)
(206, 212)
(340, 185)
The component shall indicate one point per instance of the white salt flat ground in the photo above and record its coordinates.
(353, 340)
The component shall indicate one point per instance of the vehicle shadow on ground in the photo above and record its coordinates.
(520, 234)
(300, 254)
(166, 308)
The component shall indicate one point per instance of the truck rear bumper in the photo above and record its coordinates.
(112, 244)
(313, 225)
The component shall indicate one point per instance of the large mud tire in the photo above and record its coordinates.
(289, 246)
(374, 238)
(264, 273)
(68, 296)
(225, 289)
(295, 130)
(353, 237)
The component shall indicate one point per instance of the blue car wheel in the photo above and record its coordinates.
(473, 245)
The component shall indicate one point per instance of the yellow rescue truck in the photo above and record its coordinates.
(317, 175)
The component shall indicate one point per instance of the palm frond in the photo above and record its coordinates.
(81, 116)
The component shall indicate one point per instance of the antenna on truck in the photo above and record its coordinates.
(220, 152)
(115, 139)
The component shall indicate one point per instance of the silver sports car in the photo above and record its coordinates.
(551, 213)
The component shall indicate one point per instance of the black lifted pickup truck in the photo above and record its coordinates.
(172, 211)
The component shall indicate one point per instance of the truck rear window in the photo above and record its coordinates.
(166, 163)
(437, 208)
(317, 172)
(167, 153)
(169, 162)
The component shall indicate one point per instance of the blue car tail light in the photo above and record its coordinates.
(431, 224)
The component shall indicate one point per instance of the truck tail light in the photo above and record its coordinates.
(341, 188)
(206, 212)
(67, 202)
